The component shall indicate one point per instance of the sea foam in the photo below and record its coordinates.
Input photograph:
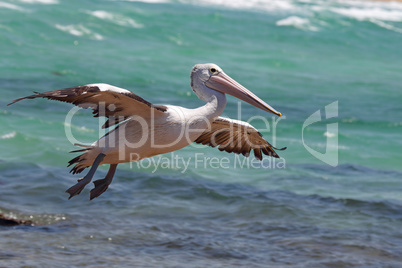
(115, 18)
(8, 135)
(46, 2)
(79, 30)
(297, 22)
(370, 13)
(11, 6)
(265, 5)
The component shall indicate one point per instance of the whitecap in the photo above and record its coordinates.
(8, 135)
(79, 30)
(297, 22)
(381, 14)
(150, 1)
(11, 6)
(387, 26)
(46, 2)
(329, 134)
(267, 5)
(115, 18)
(178, 40)
(375, 13)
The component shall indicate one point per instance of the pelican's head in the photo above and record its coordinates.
(212, 76)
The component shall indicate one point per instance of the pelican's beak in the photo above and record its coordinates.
(225, 84)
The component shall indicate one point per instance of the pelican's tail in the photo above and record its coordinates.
(81, 161)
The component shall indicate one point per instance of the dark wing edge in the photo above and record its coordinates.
(237, 137)
(92, 96)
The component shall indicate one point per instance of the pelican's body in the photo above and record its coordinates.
(144, 130)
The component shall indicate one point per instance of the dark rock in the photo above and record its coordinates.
(7, 221)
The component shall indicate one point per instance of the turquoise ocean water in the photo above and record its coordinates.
(299, 56)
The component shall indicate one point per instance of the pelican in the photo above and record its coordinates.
(143, 129)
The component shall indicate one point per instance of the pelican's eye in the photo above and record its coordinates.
(213, 70)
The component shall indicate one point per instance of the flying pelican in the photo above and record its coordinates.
(143, 129)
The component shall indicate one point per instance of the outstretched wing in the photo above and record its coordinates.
(117, 104)
(234, 136)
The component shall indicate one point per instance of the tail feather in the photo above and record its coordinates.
(74, 160)
(86, 148)
(79, 167)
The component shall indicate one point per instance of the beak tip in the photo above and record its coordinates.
(279, 114)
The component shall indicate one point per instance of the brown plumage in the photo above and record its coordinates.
(237, 137)
(108, 103)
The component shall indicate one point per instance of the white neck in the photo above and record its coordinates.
(214, 107)
(216, 101)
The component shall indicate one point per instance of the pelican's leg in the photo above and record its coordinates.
(77, 188)
(102, 185)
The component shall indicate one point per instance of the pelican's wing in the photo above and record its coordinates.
(117, 104)
(234, 136)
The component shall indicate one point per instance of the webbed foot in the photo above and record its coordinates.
(78, 187)
(102, 185)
